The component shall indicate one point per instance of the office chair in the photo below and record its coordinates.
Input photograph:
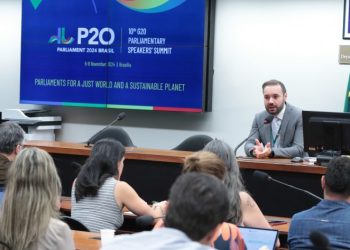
(68, 165)
(194, 143)
(113, 132)
(74, 224)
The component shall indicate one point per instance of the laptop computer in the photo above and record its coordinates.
(259, 238)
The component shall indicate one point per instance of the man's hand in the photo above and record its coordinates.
(260, 151)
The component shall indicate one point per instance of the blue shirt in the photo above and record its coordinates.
(159, 239)
(332, 218)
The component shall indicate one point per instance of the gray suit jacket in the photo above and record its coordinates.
(291, 133)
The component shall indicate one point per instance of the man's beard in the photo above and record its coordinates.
(277, 110)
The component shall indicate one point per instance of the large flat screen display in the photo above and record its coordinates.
(326, 133)
(132, 54)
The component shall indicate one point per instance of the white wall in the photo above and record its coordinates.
(10, 53)
(295, 41)
(10, 30)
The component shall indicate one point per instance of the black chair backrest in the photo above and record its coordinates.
(194, 143)
(74, 224)
(116, 133)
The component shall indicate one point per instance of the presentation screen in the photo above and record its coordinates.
(130, 54)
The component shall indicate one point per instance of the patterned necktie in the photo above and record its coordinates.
(275, 125)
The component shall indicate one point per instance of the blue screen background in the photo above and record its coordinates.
(181, 69)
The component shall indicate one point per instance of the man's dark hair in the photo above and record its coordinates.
(11, 135)
(274, 83)
(337, 177)
(197, 204)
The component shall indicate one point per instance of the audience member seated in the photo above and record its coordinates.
(331, 216)
(11, 141)
(252, 215)
(244, 211)
(197, 206)
(98, 195)
(28, 216)
(229, 236)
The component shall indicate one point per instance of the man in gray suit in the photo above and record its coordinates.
(277, 131)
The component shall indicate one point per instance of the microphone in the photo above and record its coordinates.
(267, 120)
(120, 117)
(260, 175)
(146, 220)
(319, 240)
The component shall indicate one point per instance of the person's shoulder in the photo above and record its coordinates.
(108, 184)
(161, 238)
(111, 180)
(123, 188)
(4, 162)
(57, 236)
(261, 116)
(293, 108)
(244, 194)
(303, 214)
(60, 230)
(246, 198)
(123, 185)
(57, 224)
(262, 113)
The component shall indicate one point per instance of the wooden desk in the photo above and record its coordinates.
(142, 167)
(133, 153)
(152, 171)
(279, 223)
(174, 156)
(86, 240)
(66, 205)
(279, 164)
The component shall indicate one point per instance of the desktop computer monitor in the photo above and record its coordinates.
(326, 133)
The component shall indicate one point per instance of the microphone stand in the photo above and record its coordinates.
(267, 120)
(262, 176)
(294, 187)
(242, 142)
(120, 117)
